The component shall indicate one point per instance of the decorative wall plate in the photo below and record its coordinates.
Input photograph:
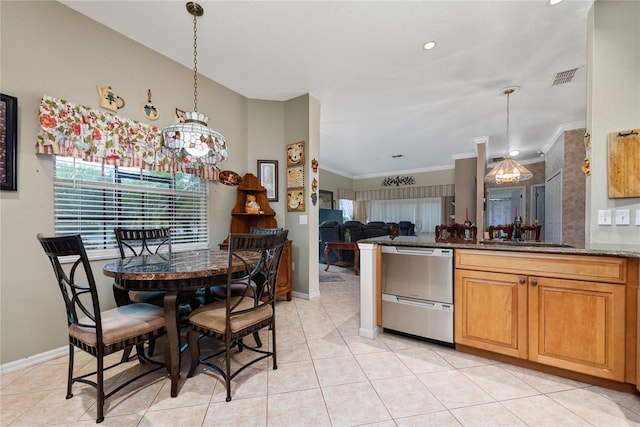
(149, 110)
(229, 178)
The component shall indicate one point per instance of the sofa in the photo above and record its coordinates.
(407, 228)
(334, 231)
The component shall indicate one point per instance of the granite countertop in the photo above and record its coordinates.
(598, 249)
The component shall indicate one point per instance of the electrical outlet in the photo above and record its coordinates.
(293, 266)
(638, 217)
(622, 217)
(604, 217)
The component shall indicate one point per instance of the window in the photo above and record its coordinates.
(427, 210)
(92, 199)
(346, 206)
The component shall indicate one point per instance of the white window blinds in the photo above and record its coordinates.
(92, 199)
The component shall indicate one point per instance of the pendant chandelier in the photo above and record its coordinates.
(508, 171)
(190, 141)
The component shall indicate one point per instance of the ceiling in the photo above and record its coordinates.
(381, 93)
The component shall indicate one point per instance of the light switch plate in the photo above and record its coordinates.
(303, 220)
(604, 217)
(622, 217)
(638, 217)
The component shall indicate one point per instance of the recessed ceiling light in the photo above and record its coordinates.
(554, 2)
(514, 153)
(429, 45)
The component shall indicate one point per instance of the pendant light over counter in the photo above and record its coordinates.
(508, 171)
(191, 141)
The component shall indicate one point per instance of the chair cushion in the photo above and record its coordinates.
(237, 289)
(150, 297)
(121, 323)
(213, 316)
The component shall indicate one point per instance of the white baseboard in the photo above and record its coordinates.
(306, 296)
(369, 333)
(34, 360)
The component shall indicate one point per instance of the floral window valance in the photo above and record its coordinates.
(72, 130)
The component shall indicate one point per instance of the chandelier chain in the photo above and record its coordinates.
(195, 64)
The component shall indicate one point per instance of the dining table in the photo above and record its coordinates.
(174, 273)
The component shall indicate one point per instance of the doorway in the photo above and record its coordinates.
(502, 204)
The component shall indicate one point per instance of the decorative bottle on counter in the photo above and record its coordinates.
(517, 228)
(347, 235)
(467, 230)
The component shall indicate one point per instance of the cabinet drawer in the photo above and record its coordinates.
(578, 267)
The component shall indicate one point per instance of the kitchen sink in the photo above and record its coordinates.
(525, 243)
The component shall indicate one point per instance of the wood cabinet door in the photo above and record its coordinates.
(578, 326)
(284, 286)
(491, 312)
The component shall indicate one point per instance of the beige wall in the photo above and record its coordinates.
(302, 123)
(613, 100)
(465, 189)
(331, 181)
(266, 136)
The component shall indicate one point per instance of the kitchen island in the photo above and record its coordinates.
(571, 308)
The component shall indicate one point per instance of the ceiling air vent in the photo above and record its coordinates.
(564, 77)
(497, 159)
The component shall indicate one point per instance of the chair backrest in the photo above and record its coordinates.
(445, 233)
(73, 284)
(329, 231)
(407, 228)
(467, 232)
(259, 255)
(501, 231)
(256, 230)
(531, 232)
(140, 241)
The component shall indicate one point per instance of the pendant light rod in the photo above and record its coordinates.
(196, 10)
(508, 92)
(508, 171)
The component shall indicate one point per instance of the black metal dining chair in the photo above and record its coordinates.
(239, 315)
(99, 333)
(501, 231)
(531, 232)
(140, 241)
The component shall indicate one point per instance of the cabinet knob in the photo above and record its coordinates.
(534, 282)
(522, 281)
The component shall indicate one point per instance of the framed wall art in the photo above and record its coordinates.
(295, 154)
(326, 199)
(8, 142)
(295, 199)
(295, 177)
(268, 178)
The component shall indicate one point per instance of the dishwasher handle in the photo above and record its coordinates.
(413, 250)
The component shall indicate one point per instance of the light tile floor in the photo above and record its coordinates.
(327, 376)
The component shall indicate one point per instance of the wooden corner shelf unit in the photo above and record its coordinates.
(242, 222)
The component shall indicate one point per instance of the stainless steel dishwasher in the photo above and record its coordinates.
(417, 291)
